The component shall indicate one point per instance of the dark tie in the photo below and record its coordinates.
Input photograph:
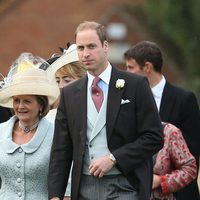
(97, 93)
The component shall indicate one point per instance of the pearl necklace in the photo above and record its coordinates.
(28, 129)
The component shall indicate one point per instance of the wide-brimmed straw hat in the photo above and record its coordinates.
(28, 80)
(69, 56)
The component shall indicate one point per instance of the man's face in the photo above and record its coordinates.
(92, 54)
(133, 67)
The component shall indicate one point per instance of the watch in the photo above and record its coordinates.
(112, 158)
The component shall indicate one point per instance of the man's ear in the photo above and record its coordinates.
(148, 67)
(105, 46)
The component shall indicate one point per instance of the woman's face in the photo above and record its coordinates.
(63, 80)
(26, 108)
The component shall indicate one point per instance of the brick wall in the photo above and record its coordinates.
(40, 27)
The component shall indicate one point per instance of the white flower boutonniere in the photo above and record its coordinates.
(120, 83)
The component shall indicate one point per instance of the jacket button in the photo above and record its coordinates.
(20, 150)
(18, 165)
(19, 180)
(19, 194)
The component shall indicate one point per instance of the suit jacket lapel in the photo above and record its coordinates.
(81, 106)
(92, 114)
(113, 102)
(166, 103)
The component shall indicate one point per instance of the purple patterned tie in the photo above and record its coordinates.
(97, 93)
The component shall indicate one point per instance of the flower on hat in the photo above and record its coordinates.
(25, 64)
(25, 78)
(120, 83)
(22, 63)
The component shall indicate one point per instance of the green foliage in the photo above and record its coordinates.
(176, 23)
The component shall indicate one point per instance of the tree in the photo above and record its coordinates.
(176, 23)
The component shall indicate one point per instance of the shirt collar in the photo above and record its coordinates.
(157, 90)
(33, 144)
(104, 76)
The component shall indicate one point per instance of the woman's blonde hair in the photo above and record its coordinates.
(74, 70)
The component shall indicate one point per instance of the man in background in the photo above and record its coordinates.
(175, 105)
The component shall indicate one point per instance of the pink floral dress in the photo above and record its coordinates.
(174, 164)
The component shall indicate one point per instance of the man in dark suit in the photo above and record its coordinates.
(5, 114)
(111, 148)
(175, 105)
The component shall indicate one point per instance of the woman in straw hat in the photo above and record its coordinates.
(64, 69)
(25, 139)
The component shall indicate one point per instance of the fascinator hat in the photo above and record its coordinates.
(25, 78)
(69, 55)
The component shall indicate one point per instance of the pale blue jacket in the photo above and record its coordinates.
(24, 168)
